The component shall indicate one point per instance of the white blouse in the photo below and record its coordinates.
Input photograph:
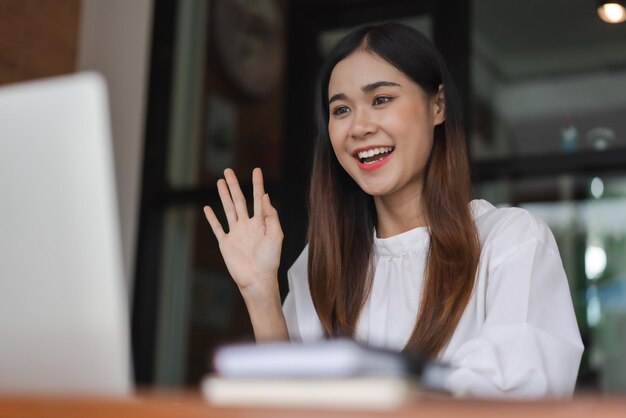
(518, 335)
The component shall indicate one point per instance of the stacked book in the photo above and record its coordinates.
(334, 374)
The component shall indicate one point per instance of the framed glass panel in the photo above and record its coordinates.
(228, 91)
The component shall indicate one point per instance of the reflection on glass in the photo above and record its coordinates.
(593, 306)
(227, 91)
(595, 262)
(597, 187)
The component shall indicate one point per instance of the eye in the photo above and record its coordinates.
(379, 100)
(340, 110)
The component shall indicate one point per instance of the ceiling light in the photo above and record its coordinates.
(612, 11)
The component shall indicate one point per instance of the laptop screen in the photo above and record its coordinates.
(63, 311)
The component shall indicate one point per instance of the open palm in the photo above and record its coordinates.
(251, 248)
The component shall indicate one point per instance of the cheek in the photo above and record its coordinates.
(408, 118)
(337, 144)
(336, 136)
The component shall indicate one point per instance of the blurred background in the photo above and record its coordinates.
(200, 85)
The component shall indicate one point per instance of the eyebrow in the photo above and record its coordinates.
(366, 89)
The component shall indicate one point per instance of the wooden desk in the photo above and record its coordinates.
(182, 406)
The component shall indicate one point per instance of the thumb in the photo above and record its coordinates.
(270, 216)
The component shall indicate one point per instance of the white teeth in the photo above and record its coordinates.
(374, 151)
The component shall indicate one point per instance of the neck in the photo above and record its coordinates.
(398, 213)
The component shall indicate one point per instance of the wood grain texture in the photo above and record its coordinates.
(38, 38)
(192, 406)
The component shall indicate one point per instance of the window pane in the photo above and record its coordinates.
(200, 306)
(228, 89)
(547, 77)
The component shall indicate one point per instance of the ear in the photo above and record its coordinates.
(439, 106)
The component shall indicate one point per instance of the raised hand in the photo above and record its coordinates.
(251, 248)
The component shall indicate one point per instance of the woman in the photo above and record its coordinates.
(398, 256)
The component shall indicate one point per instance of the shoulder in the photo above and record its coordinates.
(508, 228)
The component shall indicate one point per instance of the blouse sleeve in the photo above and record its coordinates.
(300, 315)
(529, 345)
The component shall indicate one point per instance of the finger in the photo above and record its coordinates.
(227, 203)
(216, 226)
(258, 191)
(235, 191)
(270, 216)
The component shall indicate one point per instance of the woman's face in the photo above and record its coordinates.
(381, 124)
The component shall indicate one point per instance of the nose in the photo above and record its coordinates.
(363, 124)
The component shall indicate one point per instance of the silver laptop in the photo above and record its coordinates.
(63, 308)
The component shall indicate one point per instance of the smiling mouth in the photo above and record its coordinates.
(373, 155)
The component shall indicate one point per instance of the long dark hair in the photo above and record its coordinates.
(343, 217)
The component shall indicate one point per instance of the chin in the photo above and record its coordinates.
(372, 186)
(374, 189)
